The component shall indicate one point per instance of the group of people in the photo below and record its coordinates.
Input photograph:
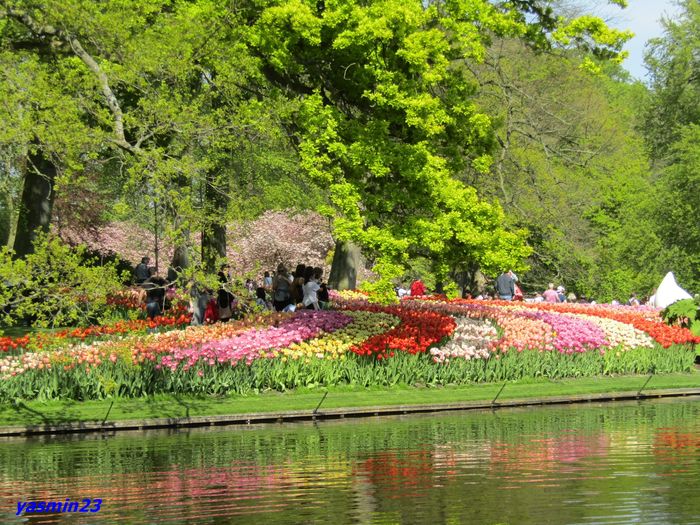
(552, 295)
(286, 291)
(303, 288)
(417, 288)
(507, 289)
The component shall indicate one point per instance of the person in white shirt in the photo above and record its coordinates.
(312, 280)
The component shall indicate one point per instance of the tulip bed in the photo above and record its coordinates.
(426, 341)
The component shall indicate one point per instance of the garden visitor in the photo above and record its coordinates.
(417, 287)
(155, 293)
(199, 300)
(267, 281)
(560, 292)
(538, 298)
(297, 290)
(141, 270)
(281, 289)
(571, 298)
(323, 296)
(224, 297)
(633, 301)
(312, 277)
(211, 312)
(505, 286)
(518, 295)
(250, 286)
(401, 291)
(651, 301)
(261, 298)
(550, 294)
(173, 275)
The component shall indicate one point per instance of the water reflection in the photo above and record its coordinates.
(624, 463)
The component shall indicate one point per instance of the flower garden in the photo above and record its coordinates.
(421, 341)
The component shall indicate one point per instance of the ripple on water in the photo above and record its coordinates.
(607, 464)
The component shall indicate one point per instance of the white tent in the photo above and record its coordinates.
(669, 292)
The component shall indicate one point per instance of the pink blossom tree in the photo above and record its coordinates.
(279, 237)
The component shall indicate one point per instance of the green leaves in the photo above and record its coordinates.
(55, 286)
(684, 313)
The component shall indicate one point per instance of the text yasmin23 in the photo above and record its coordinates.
(84, 505)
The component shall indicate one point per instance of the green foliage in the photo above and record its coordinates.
(387, 118)
(209, 112)
(677, 213)
(672, 131)
(685, 313)
(126, 380)
(572, 169)
(673, 66)
(57, 285)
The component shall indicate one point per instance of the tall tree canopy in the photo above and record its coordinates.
(672, 131)
(377, 99)
(387, 115)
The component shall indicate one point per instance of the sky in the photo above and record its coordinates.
(642, 17)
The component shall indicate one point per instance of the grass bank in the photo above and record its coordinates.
(32, 413)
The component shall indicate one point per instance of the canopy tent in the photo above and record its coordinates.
(669, 292)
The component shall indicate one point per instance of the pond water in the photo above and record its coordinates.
(584, 464)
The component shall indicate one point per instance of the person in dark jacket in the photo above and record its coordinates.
(155, 293)
(505, 286)
(141, 272)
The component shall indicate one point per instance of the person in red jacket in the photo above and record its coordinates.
(417, 288)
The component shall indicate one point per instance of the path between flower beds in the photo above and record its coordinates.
(282, 416)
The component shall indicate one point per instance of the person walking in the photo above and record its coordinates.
(505, 286)
(550, 294)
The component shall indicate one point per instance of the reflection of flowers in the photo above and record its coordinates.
(672, 446)
(548, 453)
(245, 481)
(397, 473)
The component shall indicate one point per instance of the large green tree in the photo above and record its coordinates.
(376, 98)
(572, 168)
(388, 116)
(671, 128)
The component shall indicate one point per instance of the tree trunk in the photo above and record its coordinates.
(5, 219)
(181, 259)
(181, 242)
(37, 203)
(470, 279)
(347, 260)
(214, 230)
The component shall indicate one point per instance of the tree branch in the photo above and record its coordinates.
(112, 102)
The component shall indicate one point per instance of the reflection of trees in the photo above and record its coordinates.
(556, 465)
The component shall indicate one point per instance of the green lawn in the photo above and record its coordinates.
(36, 412)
